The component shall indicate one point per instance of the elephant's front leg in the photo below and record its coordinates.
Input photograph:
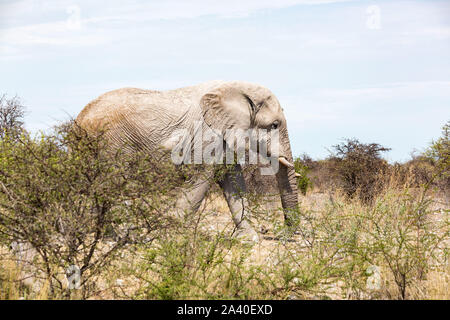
(233, 187)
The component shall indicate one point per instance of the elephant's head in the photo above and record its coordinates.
(240, 105)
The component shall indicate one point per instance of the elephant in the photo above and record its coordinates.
(148, 119)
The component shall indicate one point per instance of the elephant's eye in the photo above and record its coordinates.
(275, 125)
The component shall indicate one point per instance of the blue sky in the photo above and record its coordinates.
(378, 71)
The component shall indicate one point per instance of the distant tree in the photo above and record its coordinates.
(12, 112)
(358, 166)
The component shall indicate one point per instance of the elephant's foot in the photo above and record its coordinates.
(246, 234)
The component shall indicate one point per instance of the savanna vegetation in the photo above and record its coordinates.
(80, 221)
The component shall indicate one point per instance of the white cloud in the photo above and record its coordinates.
(173, 9)
(55, 33)
(437, 32)
(391, 90)
(328, 105)
(148, 10)
(29, 23)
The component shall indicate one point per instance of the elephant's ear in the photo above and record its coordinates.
(227, 108)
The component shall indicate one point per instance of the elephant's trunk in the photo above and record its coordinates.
(287, 180)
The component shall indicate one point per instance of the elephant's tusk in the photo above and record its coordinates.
(298, 174)
(285, 162)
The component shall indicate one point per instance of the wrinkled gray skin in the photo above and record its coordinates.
(147, 119)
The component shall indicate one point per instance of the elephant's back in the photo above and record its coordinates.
(137, 117)
(110, 107)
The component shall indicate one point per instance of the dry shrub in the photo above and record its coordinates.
(431, 168)
(359, 167)
(393, 248)
(320, 172)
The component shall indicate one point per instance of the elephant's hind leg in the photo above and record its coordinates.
(191, 199)
(233, 187)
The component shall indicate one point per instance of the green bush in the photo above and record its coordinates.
(196, 268)
(439, 152)
(303, 181)
(66, 193)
